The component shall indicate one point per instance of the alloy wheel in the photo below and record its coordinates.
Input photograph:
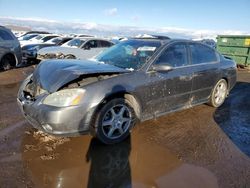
(116, 121)
(220, 93)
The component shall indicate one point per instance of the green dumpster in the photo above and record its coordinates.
(236, 47)
(248, 60)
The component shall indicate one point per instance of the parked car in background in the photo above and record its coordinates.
(47, 37)
(10, 50)
(27, 37)
(29, 51)
(41, 38)
(59, 40)
(77, 48)
(32, 40)
(137, 79)
(80, 35)
(84, 35)
(34, 32)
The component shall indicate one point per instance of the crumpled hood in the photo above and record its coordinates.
(51, 75)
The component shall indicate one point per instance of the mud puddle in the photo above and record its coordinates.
(85, 162)
(234, 116)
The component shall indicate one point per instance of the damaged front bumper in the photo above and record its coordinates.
(66, 121)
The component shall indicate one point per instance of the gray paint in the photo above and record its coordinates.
(154, 93)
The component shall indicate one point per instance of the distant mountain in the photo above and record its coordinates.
(108, 30)
(18, 28)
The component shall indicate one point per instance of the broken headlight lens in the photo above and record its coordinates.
(66, 97)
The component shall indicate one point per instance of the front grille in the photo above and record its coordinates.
(32, 90)
(47, 56)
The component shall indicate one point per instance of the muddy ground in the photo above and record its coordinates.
(199, 147)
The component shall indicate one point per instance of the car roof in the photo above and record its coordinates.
(181, 40)
(165, 41)
(162, 41)
(91, 38)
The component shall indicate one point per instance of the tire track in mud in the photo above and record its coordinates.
(10, 129)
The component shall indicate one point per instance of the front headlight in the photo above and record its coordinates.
(63, 98)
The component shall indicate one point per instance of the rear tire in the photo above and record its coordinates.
(113, 122)
(219, 93)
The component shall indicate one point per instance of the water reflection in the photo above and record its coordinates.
(86, 162)
(110, 167)
(233, 116)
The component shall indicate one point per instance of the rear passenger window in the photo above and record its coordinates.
(5, 35)
(91, 44)
(104, 44)
(202, 54)
(175, 56)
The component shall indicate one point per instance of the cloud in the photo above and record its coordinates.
(113, 30)
(29, 19)
(135, 18)
(111, 12)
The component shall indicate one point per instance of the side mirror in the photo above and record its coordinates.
(162, 67)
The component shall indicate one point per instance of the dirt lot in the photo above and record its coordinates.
(199, 147)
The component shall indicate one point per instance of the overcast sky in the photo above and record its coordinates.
(220, 15)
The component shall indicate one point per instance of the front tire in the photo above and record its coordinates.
(113, 122)
(219, 93)
(6, 62)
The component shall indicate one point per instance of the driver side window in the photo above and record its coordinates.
(175, 55)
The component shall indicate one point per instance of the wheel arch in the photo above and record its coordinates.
(224, 77)
(12, 55)
(132, 99)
